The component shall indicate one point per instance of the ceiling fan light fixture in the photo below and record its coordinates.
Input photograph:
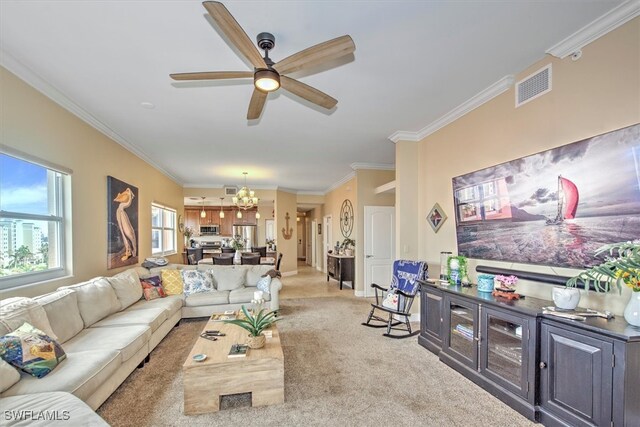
(266, 80)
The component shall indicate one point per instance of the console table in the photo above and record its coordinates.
(341, 268)
(557, 371)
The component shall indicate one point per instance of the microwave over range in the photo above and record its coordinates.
(209, 230)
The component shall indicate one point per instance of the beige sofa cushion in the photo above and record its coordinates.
(8, 376)
(228, 277)
(80, 374)
(171, 304)
(63, 313)
(245, 295)
(207, 298)
(152, 317)
(126, 339)
(80, 414)
(14, 312)
(96, 300)
(127, 287)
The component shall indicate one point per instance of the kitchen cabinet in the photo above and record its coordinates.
(248, 218)
(192, 219)
(341, 268)
(560, 372)
(226, 223)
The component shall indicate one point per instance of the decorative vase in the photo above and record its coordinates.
(566, 298)
(256, 342)
(632, 312)
(485, 282)
(237, 257)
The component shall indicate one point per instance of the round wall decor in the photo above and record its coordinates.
(346, 218)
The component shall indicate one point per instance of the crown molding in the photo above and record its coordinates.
(23, 72)
(377, 166)
(596, 29)
(472, 103)
(344, 179)
(310, 193)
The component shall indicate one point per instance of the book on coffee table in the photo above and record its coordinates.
(238, 350)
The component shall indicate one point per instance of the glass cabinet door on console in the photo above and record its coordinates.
(461, 338)
(504, 346)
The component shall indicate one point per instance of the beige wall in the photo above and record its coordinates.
(407, 204)
(367, 181)
(596, 94)
(32, 123)
(286, 203)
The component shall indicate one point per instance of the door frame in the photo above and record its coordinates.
(327, 239)
(368, 291)
(314, 238)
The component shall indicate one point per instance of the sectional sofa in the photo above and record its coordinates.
(107, 330)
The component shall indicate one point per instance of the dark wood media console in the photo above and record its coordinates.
(557, 371)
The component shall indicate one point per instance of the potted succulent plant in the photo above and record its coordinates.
(255, 324)
(621, 267)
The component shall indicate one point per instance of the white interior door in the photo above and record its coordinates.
(314, 247)
(379, 246)
(307, 241)
(327, 226)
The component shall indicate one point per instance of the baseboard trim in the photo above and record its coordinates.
(359, 294)
(290, 273)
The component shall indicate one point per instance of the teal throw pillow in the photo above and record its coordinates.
(31, 350)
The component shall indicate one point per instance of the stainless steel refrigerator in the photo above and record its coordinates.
(247, 232)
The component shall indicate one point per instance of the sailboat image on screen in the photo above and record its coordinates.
(568, 198)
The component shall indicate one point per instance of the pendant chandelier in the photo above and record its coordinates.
(246, 198)
(203, 214)
(221, 211)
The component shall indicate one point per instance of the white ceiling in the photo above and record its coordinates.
(414, 62)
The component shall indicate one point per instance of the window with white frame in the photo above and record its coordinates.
(32, 220)
(163, 230)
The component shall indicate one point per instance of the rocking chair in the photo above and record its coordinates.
(397, 300)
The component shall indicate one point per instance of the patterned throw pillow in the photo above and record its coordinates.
(31, 350)
(196, 281)
(172, 282)
(264, 284)
(152, 288)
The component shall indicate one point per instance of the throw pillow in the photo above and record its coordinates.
(31, 350)
(264, 284)
(391, 300)
(152, 288)
(172, 281)
(196, 281)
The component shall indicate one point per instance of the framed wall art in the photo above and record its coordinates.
(122, 223)
(555, 207)
(436, 217)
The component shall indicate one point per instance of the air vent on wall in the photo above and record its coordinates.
(533, 86)
(230, 191)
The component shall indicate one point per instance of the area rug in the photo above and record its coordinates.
(337, 372)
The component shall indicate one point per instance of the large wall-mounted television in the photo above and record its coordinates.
(555, 207)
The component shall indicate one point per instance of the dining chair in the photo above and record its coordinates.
(250, 260)
(228, 250)
(222, 260)
(262, 250)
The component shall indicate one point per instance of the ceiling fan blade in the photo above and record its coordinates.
(307, 92)
(212, 75)
(313, 55)
(257, 104)
(230, 27)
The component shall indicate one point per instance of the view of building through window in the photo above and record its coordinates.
(30, 218)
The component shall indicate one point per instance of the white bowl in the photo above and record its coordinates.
(566, 298)
(199, 357)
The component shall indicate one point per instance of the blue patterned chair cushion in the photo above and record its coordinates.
(196, 281)
(405, 276)
(31, 350)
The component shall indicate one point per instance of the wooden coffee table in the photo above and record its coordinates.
(260, 373)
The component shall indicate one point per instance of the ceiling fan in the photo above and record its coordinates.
(269, 76)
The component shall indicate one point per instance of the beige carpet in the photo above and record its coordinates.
(337, 372)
